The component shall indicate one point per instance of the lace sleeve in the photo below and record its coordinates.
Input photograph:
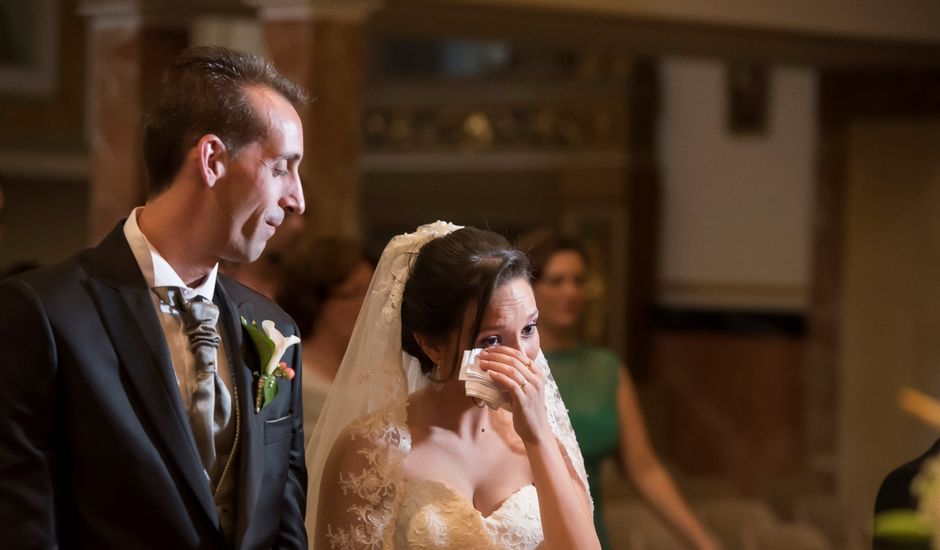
(359, 492)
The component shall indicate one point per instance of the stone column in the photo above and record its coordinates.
(128, 49)
(321, 44)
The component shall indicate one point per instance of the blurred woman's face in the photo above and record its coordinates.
(560, 291)
(342, 306)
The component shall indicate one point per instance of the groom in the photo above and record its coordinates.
(129, 385)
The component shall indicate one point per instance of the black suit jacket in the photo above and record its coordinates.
(895, 490)
(95, 448)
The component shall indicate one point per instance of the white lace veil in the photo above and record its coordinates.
(376, 375)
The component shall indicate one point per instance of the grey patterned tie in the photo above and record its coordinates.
(210, 408)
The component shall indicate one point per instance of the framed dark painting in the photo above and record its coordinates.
(747, 93)
(28, 46)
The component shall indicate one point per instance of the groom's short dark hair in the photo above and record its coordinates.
(203, 92)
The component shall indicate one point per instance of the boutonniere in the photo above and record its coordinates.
(271, 345)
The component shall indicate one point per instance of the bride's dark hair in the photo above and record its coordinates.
(449, 273)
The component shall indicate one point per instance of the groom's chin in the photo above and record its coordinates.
(244, 254)
(253, 254)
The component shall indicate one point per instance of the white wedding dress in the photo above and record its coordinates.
(365, 418)
(392, 512)
(432, 515)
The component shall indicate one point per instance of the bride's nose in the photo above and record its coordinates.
(528, 348)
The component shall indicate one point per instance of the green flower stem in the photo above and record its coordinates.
(259, 395)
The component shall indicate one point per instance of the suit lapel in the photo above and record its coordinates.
(243, 360)
(128, 314)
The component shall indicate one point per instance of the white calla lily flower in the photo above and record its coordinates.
(281, 343)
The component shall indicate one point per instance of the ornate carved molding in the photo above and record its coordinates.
(159, 9)
(353, 11)
(541, 125)
(65, 166)
(868, 20)
(175, 14)
(507, 114)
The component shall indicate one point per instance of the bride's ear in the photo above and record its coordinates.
(434, 348)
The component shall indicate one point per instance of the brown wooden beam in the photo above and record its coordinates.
(645, 36)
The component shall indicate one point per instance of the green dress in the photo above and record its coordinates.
(587, 378)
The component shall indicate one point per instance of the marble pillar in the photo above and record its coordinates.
(322, 44)
(127, 54)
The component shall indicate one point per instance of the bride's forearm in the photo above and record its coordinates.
(566, 514)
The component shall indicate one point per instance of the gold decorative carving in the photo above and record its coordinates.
(581, 124)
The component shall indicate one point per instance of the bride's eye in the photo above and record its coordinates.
(489, 341)
(528, 330)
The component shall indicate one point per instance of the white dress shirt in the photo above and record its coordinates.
(158, 272)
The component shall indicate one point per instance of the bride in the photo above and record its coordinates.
(401, 457)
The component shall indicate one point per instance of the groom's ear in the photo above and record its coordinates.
(213, 158)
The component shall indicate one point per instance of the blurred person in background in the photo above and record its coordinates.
(322, 286)
(597, 389)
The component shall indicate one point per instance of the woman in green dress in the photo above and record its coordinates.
(597, 390)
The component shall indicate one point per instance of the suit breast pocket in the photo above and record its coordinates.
(278, 429)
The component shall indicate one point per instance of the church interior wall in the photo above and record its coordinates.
(733, 275)
(736, 207)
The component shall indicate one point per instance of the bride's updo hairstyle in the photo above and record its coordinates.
(450, 273)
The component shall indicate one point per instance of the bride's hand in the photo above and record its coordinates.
(524, 381)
